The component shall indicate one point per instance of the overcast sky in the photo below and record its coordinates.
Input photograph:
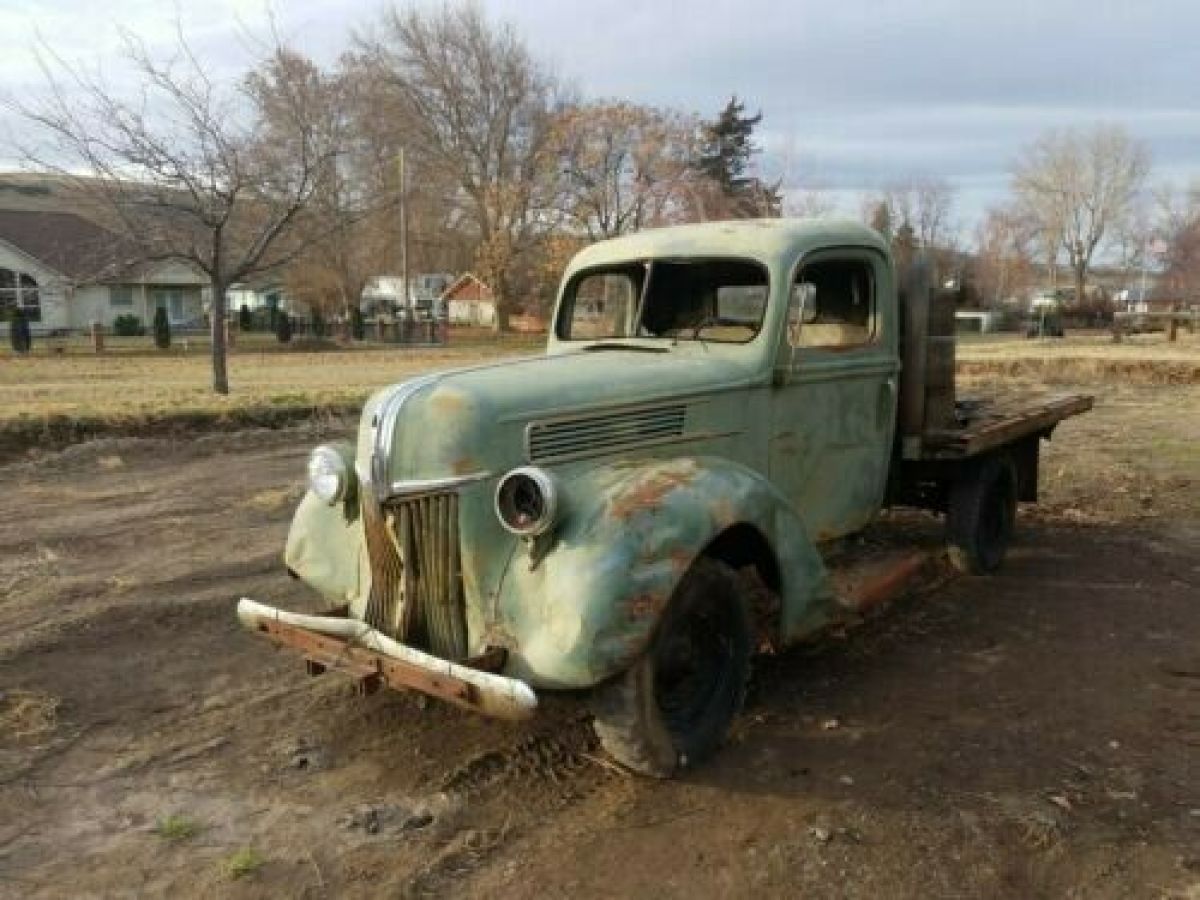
(853, 92)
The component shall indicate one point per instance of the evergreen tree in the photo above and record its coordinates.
(318, 324)
(245, 322)
(283, 327)
(724, 159)
(162, 329)
(18, 332)
(358, 329)
(727, 146)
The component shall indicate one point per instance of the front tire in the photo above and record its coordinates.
(982, 515)
(673, 707)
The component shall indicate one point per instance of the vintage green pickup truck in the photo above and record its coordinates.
(641, 509)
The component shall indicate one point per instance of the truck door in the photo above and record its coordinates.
(833, 409)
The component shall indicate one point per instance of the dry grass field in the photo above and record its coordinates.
(120, 385)
(49, 400)
(139, 383)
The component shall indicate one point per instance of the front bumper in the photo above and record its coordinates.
(353, 647)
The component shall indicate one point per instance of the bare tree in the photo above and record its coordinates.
(1179, 217)
(922, 203)
(626, 166)
(338, 228)
(916, 211)
(180, 169)
(482, 111)
(1078, 186)
(1003, 255)
(803, 194)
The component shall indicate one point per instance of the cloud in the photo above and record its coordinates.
(853, 93)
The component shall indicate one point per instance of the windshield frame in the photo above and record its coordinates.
(566, 305)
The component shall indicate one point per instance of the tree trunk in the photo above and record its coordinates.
(220, 373)
(1080, 283)
(501, 300)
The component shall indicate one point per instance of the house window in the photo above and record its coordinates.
(19, 290)
(839, 303)
(173, 300)
(120, 295)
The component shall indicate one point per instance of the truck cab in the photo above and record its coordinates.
(639, 509)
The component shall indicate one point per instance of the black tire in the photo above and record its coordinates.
(982, 515)
(673, 707)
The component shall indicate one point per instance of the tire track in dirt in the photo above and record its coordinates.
(525, 782)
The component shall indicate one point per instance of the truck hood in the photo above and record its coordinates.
(473, 421)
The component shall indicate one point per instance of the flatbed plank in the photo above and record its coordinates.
(998, 423)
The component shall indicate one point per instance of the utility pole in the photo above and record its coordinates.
(404, 232)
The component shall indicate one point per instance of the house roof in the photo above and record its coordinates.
(462, 282)
(67, 243)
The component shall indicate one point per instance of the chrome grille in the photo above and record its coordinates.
(604, 433)
(416, 566)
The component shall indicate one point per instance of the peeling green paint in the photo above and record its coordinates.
(793, 446)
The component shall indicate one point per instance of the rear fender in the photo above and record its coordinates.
(582, 609)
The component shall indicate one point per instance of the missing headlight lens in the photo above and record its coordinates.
(328, 475)
(527, 501)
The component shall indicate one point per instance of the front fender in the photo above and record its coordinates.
(582, 609)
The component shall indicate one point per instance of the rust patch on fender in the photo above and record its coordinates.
(447, 402)
(648, 491)
(646, 605)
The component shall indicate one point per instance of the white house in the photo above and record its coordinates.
(67, 272)
(265, 295)
(385, 293)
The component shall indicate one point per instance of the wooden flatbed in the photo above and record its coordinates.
(989, 424)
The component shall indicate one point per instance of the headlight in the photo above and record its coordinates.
(527, 501)
(328, 475)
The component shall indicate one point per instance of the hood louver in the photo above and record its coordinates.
(603, 433)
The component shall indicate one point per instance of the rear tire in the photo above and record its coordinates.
(982, 514)
(673, 707)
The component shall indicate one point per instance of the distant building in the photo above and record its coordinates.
(468, 301)
(385, 293)
(66, 271)
(1137, 300)
(266, 295)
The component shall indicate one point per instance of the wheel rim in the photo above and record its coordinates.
(692, 666)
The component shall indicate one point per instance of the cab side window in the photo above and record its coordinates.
(839, 304)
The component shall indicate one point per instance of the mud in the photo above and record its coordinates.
(1033, 734)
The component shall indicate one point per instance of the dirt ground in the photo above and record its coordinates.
(1032, 734)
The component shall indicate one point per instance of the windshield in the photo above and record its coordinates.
(722, 300)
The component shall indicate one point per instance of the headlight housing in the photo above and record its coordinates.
(329, 475)
(527, 501)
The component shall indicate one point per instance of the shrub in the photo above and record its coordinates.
(128, 325)
(177, 828)
(246, 861)
(245, 321)
(18, 331)
(283, 327)
(262, 319)
(162, 329)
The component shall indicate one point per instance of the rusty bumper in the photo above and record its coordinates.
(353, 647)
